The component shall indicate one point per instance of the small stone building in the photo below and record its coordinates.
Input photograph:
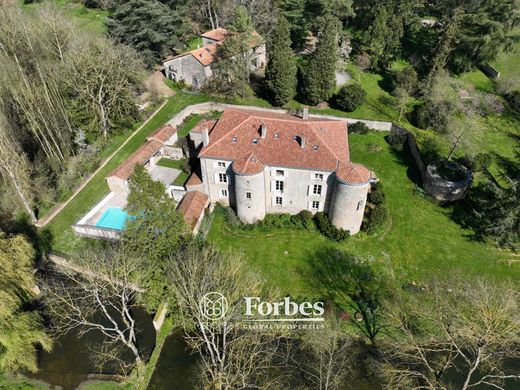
(195, 67)
(262, 162)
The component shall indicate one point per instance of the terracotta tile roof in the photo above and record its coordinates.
(351, 173)
(248, 164)
(206, 55)
(192, 206)
(140, 156)
(209, 123)
(218, 34)
(237, 134)
(193, 180)
(163, 134)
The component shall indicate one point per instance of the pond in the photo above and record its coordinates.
(70, 362)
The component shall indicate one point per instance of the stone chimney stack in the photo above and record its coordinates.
(205, 136)
(263, 130)
(302, 141)
(305, 113)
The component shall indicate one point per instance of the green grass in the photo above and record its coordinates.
(85, 18)
(420, 240)
(103, 385)
(13, 382)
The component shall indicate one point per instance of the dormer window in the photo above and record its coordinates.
(276, 135)
(315, 147)
(255, 141)
(234, 139)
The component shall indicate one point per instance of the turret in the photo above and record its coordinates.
(349, 197)
(249, 188)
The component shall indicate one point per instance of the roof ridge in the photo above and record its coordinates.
(212, 145)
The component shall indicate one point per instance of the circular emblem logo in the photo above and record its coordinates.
(213, 306)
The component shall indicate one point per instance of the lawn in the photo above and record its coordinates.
(85, 18)
(420, 240)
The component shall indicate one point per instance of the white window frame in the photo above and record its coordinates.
(224, 193)
(221, 164)
(318, 176)
(276, 198)
(249, 195)
(279, 186)
(222, 178)
(279, 173)
(317, 189)
(315, 205)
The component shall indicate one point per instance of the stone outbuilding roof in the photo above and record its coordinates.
(140, 156)
(192, 206)
(163, 134)
(218, 34)
(288, 141)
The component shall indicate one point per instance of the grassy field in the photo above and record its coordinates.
(420, 240)
(85, 18)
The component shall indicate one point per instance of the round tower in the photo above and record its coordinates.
(349, 197)
(249, 188)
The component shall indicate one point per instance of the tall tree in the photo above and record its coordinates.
(319, 76)
(280, 74)
(154, 231)
(21, 331)
(149, 26)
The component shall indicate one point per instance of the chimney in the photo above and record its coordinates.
(263, 131)
(305, 113)
(302, 141)
(205, 136)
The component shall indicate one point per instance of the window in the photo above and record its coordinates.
(359, 204)
(315, 147)
(223, 193)
(222, 178)
(280, 172)
(255, 141)
(316, 189)
(248, 195)
(315, 205)
(279, 185)
(234, 140)
(318, 176)
(278, 201)
(221, 164)
(276, 135)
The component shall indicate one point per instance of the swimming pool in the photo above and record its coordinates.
(113, 218)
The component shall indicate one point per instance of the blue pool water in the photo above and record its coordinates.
(113, 218)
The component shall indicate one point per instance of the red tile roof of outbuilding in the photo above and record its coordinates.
(140, 156)
(163, 134)
(192, 206)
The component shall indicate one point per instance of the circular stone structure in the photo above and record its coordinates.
(350, 195)
(447, 180)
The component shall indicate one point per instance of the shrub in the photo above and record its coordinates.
(231, 217)
(377, 218)
(304, 219)
(377, 195)
(349, 97)
(358, 128)
(396, 140)
(329, 230)
(405, 79)
(513, 99)
(433, 115)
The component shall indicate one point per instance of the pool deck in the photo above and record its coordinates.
(111, 200)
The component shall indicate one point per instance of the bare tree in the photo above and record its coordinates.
(14, 167)
(325, 355)
(100, 298)
(231, 357)
(463, 329)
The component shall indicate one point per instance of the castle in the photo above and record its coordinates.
(262, 162)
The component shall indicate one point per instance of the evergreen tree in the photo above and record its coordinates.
(154, 231)
(149, 26)
(319, 77)
(280, 74)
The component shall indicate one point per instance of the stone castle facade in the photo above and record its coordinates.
(262, 162)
